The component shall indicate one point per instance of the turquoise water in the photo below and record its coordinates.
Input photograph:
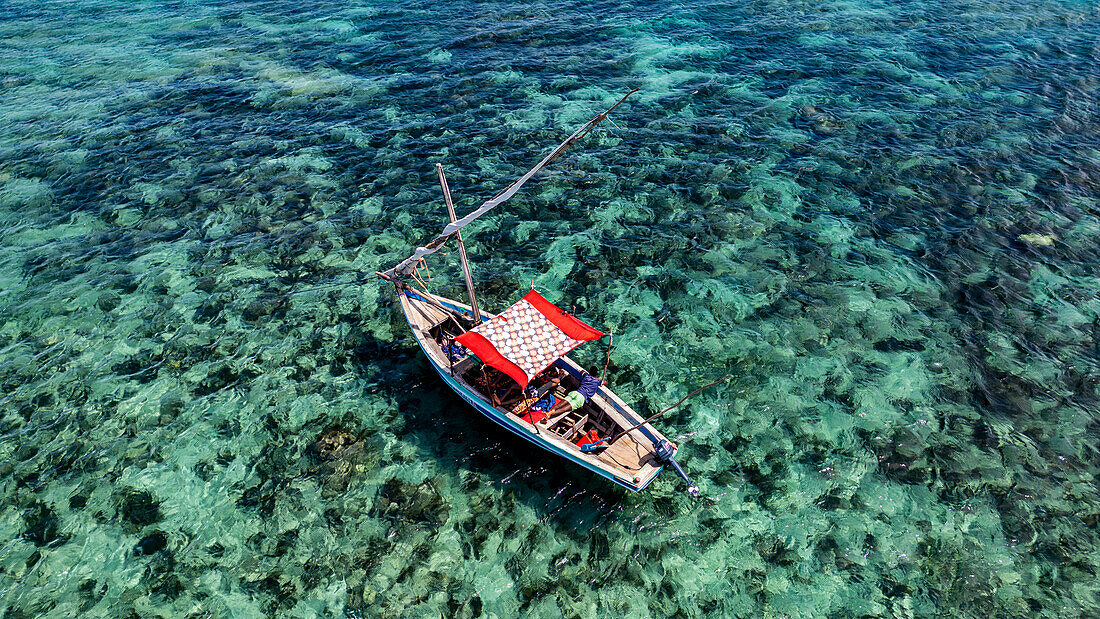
(881, 217)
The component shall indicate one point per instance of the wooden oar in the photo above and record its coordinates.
(682, 400)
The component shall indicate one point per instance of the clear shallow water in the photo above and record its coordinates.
(881, 217)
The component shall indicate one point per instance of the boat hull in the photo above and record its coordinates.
(514, 426)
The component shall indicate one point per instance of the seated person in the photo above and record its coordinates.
(492, 383)
(536, 411)
(506, 395)
(589, 386)
(576, 399)
(533, 409)
(515, 399)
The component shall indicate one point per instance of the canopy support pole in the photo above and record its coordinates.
(461, 245)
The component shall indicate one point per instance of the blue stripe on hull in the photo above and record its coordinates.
(513, 426)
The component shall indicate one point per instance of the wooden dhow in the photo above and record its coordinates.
(512, 366)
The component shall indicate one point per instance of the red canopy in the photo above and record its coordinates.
(527, 338)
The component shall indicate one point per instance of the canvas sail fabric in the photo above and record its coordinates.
(527, 338)
(409, 264)
(406, 266)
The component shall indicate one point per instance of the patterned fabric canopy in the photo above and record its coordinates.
(527, 338)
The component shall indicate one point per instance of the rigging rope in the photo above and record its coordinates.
(416, 273)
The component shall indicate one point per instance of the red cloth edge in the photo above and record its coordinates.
(484, 349)
(571, 326)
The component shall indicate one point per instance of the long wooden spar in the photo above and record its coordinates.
(475, 312)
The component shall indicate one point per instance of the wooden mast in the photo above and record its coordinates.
(461, 245)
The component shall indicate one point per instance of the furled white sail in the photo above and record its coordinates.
(409, 264)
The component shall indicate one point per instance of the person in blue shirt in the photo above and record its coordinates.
(576, 399)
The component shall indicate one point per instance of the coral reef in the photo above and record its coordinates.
(881, 217)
